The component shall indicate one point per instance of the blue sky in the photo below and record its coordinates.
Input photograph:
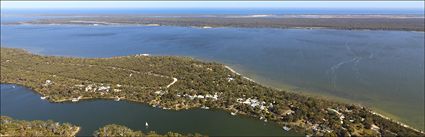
(213, 4)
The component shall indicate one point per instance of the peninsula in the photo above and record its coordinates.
(184, 83)
(12, 127)
(113, 130)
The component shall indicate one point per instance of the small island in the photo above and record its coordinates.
(177, 83)
(12, 127)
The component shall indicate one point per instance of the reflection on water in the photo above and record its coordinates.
(22, 103)
(381, 69)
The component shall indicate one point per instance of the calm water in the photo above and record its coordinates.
(380, 69)
(23, 103)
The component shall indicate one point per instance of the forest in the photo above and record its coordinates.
(12, 127)
(114, 130)
(24, 128)
(184, 83)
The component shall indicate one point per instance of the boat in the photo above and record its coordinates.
(286, 128)
(146, 124)
(232, 113)
(75, 99)
(205, 107)
(43, 98)
(117, 99)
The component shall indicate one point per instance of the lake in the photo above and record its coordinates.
(380, 69)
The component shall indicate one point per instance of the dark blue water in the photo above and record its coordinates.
(218, 11)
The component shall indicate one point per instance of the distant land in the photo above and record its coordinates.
(184, 83)
(407, 22)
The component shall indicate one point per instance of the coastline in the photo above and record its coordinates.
(76, 131)
(300, 123)
(20, 127)
(199, 107)
(395, 22)
(398, 122)
(334, 98)
(201, 27)
(326, 97)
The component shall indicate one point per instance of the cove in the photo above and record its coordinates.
(23, 103)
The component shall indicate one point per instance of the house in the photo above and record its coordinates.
(159, 92)
(47, 83)
(75, 99)
(89, 88)
(104, 88)
(230, 79)
(286, 128)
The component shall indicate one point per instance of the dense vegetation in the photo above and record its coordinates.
(122, 131)
(12, 127)
(374, 22)
(183, 83)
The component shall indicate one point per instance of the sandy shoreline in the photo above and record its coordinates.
(202, 27)
(154, 102)
(233, 71)
(76, 131)
(373, 112)
(398, 122)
